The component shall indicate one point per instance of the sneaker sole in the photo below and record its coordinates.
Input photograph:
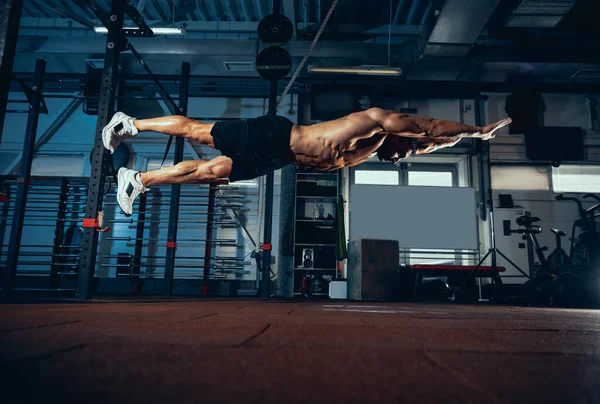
(106, 139)
(121, 189)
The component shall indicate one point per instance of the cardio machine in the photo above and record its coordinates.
(584, 255)
(539, 289)
(556, 262)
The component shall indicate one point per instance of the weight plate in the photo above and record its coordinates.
(275, 28)
(273, 63)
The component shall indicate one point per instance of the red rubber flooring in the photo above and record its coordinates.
(249, 351)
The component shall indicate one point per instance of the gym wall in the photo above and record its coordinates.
(562, 110)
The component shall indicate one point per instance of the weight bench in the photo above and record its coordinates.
(445, 270)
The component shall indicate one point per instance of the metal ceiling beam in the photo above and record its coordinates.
(289, 10)
(141, 6)
(62, 117)
(68, 13)
(398, 11)
(245, 15)
(541, 50)
(200, 10)
(60, 24)
(212, 10)
(412, 11)
(540, 13)
(226, 5)
(174, 47)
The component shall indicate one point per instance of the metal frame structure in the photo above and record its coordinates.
(486, 198)
(10, 16)
(16, 229)
(265, 286)
(208, 243)
(137, 281)
(176, 188)
(59, 234)
(115, 42)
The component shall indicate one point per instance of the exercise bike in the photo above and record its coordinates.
(557, 261)
(539, 288)
(584, 253)
(580, 286)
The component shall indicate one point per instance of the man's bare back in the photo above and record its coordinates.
(353, 139)
(251, 148)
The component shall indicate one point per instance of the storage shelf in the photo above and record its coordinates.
(313, 294)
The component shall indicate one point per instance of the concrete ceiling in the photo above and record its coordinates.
(456, 41)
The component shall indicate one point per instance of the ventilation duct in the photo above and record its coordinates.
(587, 74)
(540, 13)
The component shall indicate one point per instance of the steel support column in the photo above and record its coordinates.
(208, 245)
(268, 211)
(16, 228)
(184, 86)
(59, 235)
(5, 193)
(137, 281)
(265, 286)
(100, 157)
(485, 182)
(10, 16)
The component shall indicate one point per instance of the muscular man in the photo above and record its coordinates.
(252, 147)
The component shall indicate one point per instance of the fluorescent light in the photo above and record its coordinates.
(155, 30)
(360, 70)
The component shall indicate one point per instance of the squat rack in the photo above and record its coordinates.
(116, 43)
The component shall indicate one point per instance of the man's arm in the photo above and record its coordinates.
(429, 145)
(417, 127)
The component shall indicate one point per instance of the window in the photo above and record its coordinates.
(435, 257)
(576, 178)
(155, 164)
(430, 178)
(57, 166)
(376, 177)
(432, 175)
(525, 178)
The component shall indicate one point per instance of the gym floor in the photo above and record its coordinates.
(190, 351)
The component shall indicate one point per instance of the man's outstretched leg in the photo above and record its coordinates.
(133, 183)
(122, 127)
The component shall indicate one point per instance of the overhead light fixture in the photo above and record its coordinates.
(155, 30)
(358, 70)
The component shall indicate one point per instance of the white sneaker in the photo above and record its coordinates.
(119, 128)
(129, 188)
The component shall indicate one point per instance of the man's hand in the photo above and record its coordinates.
(487, 132)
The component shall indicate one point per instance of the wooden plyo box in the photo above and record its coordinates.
(373, 270)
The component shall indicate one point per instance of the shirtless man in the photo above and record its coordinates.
(252, 147)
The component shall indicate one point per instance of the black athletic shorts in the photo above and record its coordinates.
(255, 145)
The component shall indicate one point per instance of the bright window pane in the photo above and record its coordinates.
(525, 178)
(155, 164)
(57, 166)
(437, 257)
(572, 178)
(430, 178)
(376, 177)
